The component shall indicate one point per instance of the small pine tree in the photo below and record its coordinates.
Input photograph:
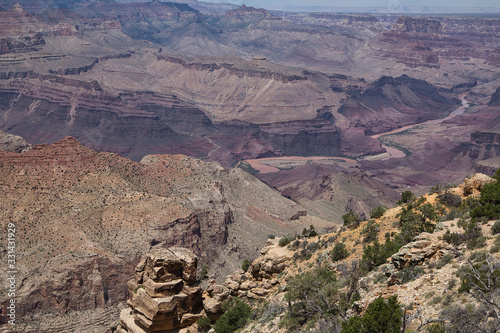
(339, 252)
(406, 196)
(235, 316)
(245, 265)
(351, 219)
(377, 212)
(381, 317)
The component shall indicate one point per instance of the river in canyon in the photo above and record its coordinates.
(263, 165)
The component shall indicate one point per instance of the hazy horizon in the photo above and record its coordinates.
(364, 3)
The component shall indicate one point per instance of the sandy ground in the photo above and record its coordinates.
(258, 164)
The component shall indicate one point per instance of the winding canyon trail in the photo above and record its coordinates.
(396, 153)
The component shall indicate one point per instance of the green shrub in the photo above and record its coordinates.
(489, 201)
(377, 254)
(448, 299)
(339, 252)
(311, 295)
(381, 317)
(312, 247)
(436, 328)
(446, 259)
(496, 245)
(452, 283)
(468, 318)
(204, 323)
(204, 273)
(473, 235)
(236, 314)
(378, 212)
(452, 214)
(416, 218)
(379, 277)
(370, 231)
(271, 311)
(309, 232)
(495, 228)
(450, 199)
(454, 238)
(284, 241)
(409, 273)
(246, 265)
(435, 189)
(435, 300)
(351, 219)
(478, 256)
(481, 278)
(406, 196)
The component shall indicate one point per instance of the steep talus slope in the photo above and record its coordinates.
(332, 189)
(87, 217)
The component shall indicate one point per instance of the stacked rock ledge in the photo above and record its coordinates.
(164, 295)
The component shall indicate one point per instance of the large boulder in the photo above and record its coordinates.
(474, 184)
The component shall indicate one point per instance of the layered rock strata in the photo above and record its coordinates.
(164, 294)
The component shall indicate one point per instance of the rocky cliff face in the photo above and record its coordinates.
(98, 234)
(403, 100)
(495, 98)
(135, 125)
(410, 274)
(88, 217)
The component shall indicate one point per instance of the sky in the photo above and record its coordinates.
(365, 3)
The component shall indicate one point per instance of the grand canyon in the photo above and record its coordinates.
(133, 134)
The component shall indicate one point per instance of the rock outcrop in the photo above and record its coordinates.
(261, 277)
(164, 294)
(399, 101)
(424, 247)
(474, 184)
(13, 143)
